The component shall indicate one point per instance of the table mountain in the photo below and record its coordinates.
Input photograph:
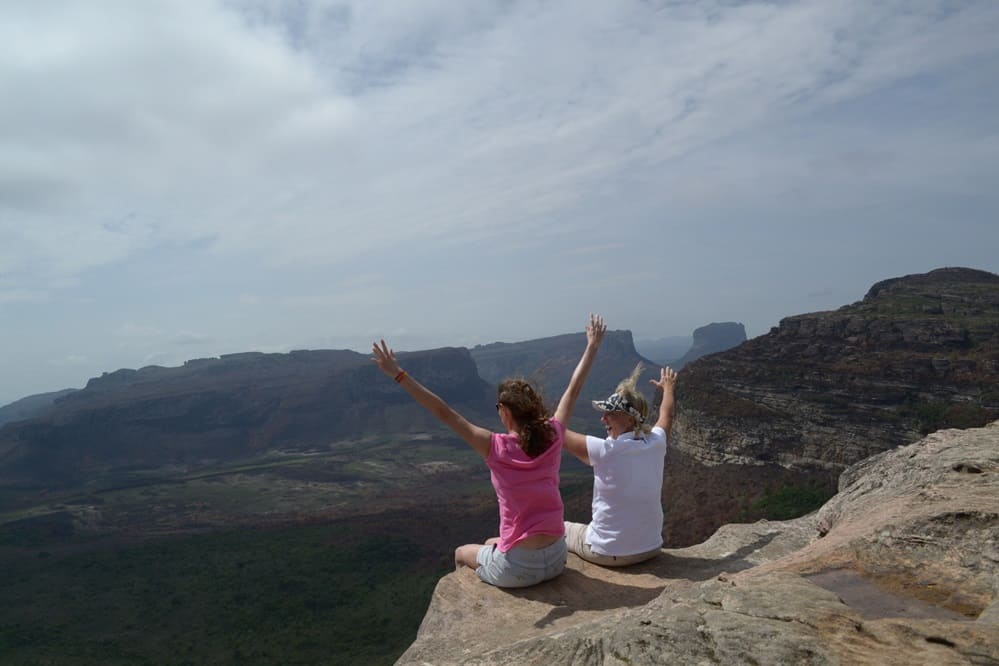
(712, 339)
(230, 407)
(31, 406)
(550, 361)
(241, 405)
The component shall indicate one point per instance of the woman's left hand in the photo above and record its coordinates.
(384, 358)
(667, 377)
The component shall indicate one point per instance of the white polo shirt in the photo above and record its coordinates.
(627, 493)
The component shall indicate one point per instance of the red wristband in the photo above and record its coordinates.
(400, 376)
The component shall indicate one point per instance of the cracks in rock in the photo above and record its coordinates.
(941, 641)
(700, 568)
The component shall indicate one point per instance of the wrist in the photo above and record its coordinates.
(401, 375)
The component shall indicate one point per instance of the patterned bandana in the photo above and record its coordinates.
(618, 403)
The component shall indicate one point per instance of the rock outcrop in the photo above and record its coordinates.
(31, 406)
(824, 390)
(663, 351)
(550, 362)
(230, 407)
(900, 567)
(712, 339)
(241, 405)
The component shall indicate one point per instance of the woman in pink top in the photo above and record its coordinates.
(523, 464)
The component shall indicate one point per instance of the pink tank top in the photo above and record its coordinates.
(527, 488)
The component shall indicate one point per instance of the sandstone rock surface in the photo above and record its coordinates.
(900, 567)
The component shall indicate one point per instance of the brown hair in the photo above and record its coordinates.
(534, 430)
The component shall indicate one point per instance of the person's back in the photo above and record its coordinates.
(627, 518)
(524, 465)
(627, 491)
(526, 488)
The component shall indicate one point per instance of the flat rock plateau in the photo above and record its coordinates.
(901, 566)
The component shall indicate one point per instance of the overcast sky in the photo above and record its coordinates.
(186, 179)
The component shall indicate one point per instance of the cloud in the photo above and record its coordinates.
(71, 360)
(192, 339)
(19, 295)
(279, 129)
(337, 165)
(131, 330)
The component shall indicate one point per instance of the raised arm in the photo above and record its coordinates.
(476, 437)
(575, 443)
(594, 336)
(667, 408)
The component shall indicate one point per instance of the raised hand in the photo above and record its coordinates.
(384, 358)
(595, 330)
(667, 377)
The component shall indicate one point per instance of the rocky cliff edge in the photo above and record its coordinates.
(900, 567)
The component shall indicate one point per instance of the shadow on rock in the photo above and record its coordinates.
(575, 591)
(671, 565)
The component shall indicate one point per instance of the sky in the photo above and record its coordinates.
(182, 179)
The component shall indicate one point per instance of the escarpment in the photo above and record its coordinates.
(900, 567)
(789, 410)
(229, 408)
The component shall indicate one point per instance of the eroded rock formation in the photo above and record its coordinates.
(825, 390)
(900, 567)
(712, 339)
(228, 408)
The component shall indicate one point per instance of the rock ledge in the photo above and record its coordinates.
(900, 567)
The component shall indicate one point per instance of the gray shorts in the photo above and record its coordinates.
(575, 537)
(520, 567)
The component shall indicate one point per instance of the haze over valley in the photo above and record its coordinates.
(226, 458)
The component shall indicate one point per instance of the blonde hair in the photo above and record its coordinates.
(628, 389)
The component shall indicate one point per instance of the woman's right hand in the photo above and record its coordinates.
(595, 330)
(384, 358)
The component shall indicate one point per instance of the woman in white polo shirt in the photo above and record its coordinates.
(627, 521)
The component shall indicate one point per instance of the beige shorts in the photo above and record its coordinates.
(575, 538)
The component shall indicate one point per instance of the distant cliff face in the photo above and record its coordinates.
(827, 389)
(31, 406)
(712, 339)
(550, 361)
(239, 405)
(229, 407)
(664, 351)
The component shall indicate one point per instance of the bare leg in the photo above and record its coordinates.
(467, 555)
(492, 540)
